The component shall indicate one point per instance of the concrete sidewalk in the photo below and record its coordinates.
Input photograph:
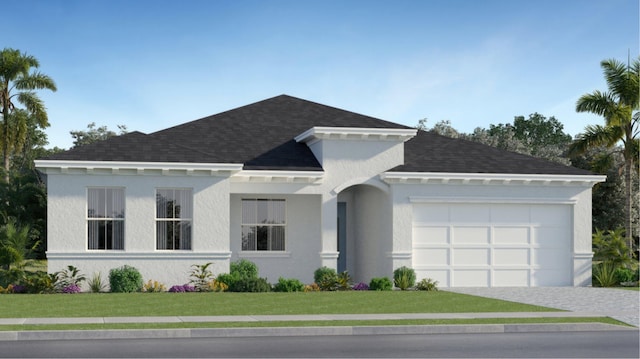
(296, 331)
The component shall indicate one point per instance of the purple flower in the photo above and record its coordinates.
(361, 286)
(19, 288)
(182, 288)
(71, 289)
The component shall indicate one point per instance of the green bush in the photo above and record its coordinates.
(40, 282)
(404, 278)
(343, 281)
(604, 275)
(380, 283)
(250, 285)
(288, 285)
(326, 278)
(624, 275)
(244, 269)
(427, 284)
(125, 279)
(96, 285)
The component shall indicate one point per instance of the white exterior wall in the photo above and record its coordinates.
(67, 226)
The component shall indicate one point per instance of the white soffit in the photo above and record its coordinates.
(315, 134)
(278, 176)
(490, 178)
(137, 168)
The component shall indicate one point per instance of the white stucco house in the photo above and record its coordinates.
(294, 185)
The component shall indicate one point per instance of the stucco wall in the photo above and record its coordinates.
(67, 228)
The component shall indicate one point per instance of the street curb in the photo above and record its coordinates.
(301, 331)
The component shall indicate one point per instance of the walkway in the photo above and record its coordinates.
(620, 304)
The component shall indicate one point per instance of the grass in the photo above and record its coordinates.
(267, 324)
(207, 304)
(637, 289)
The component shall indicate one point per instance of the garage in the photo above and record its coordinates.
(493, 244)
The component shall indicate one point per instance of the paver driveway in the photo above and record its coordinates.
(620, 304)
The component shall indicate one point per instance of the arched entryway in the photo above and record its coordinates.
(364, 232)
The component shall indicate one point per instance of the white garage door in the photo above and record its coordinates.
(480, 245)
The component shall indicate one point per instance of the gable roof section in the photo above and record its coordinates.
(261, 137)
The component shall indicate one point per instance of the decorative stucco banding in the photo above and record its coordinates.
(351, 133)
(309, 177)
(137, 168)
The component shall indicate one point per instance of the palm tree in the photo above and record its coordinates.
(619, 107)
(16, 75)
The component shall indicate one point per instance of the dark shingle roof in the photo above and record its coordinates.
(261, 136)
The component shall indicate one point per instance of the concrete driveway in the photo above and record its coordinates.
(620, 304)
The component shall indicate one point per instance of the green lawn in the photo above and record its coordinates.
(199, 304)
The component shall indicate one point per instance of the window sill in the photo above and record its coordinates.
(264, 254)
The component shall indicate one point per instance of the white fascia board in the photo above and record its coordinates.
(356, 133)
(490, 178)
(278, 176)
(140, 167)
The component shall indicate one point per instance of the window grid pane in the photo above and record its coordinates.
(263, 224)
(105, 218)
(174, 210)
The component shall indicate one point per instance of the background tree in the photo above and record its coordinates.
(94, 134)
(619, 107)
(17, 87)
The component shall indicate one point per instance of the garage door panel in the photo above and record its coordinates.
(511, 256)
(510, 277)
(440, 275)
(471, 256)
(473, 213)
(549, 258)
(550, 278)
(470, 235)
(555, 216)
(430, 235)
(554, 237)
(470, 278)
(517, 214)
(511, 235)
(433, 256)
(430, 214)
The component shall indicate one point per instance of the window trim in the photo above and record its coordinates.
(265, 252)
(122, 219)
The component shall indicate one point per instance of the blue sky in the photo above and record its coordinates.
(155, 64)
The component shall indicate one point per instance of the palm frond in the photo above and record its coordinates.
(599, 103)
(35, 81)
(593, 136)
(35, 106)
(622, 81)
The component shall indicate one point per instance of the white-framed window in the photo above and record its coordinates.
(263, 224)
(174, 216)
(105, 218)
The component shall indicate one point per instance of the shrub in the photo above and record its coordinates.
(96, 285)
(200, 276)
(216, 286)
(125, 279)
(404, 278)
(153, 287)
(288, 285)
(182, 289)
(68, 277)
(427, 284)
(244, 269)
(241, 270)
(252, 285)
(380, 283)
(360, 286)
(313, 287)
(624, 275)
(41, 282)
(344, 281)
(604, 274)
(326, 278)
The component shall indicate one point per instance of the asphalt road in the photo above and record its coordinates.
(606, 344)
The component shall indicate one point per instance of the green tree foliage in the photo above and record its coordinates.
(15, 245)
(619, 106)
(94, 134)
(18, 82)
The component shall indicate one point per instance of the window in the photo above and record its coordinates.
(263, 224)
(173, 219)
(105, 218)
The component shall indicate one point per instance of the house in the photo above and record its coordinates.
(293, 185)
